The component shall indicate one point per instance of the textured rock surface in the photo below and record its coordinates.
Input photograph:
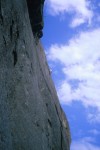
(30, 115)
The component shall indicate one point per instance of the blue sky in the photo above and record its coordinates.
(72, 44)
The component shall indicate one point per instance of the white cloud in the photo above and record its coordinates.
(65, 93)
(83, 145)
(94, 117)
(77, 21)
(80, 9)
(99, 4)
(94, 131)
(81, 61)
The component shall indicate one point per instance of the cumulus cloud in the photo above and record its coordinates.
(80, 59)
(81, 10)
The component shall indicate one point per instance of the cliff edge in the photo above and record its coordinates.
(31, 117)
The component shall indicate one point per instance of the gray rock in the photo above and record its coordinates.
(31, 117)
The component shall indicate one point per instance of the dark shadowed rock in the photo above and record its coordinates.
(30, 114)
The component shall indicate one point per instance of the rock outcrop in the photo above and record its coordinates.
(30, 114)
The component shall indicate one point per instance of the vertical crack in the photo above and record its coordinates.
(1, 16)
(11, 30)
(50, 124)
(14, 56)
(17, 32)
(61, 138)
(5, 43)
(14, 35)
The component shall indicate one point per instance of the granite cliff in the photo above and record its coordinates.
(31, 117)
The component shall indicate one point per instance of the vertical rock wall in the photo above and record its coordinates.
(30, 114)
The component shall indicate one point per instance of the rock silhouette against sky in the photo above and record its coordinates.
(31, 117)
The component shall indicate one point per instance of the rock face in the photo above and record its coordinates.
(30, 114)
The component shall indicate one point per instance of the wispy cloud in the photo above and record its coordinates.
(83, 145)
(81, 10)
(94, 132)
(80, 59)
(94, 117)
